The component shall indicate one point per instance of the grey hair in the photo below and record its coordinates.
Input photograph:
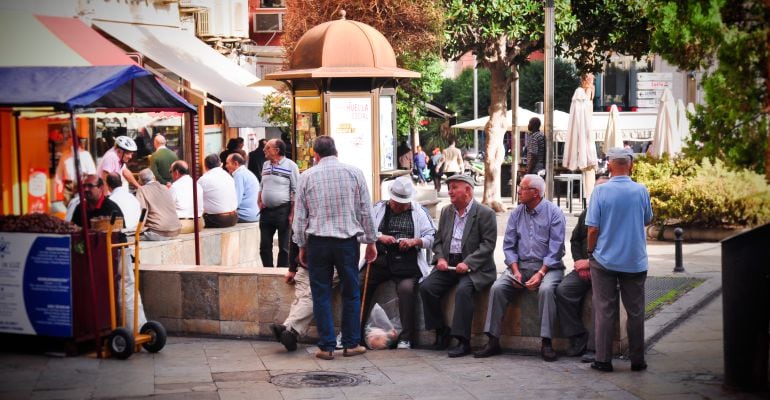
(535, 181)
(146, 176)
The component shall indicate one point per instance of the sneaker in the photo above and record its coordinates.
(339, 342)
(588, 357)
(354, 351)
(404, 344)
(325, 355)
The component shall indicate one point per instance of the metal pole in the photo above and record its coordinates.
(548, 97)
(16, 115)
(194, 173)
(515, 140)
(678, 266)
(476, 104)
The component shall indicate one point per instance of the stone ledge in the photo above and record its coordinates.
(243, 302)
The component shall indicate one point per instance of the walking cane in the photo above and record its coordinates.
(363, 298)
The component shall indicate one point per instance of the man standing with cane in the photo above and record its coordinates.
(332, 215)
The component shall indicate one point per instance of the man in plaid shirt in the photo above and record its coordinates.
(332, 215)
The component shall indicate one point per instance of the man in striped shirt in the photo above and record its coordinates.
(332, 214)
(535, 148)
(276, 202)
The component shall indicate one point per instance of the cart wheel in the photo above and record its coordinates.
(158, 334)
(121, 343)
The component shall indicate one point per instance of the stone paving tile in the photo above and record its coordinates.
(263, 392)
(64, 394)
(311, 393)
(177, 396)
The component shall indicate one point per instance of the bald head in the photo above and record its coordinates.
(159, 140)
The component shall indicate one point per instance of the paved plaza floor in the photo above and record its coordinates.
(685, 357)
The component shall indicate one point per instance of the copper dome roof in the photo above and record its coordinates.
(343, 49)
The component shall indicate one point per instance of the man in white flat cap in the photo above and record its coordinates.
(404, 231)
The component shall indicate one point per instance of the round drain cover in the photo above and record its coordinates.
(318, 379)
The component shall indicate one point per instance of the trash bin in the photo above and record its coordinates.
(746, 308)
(505, 180)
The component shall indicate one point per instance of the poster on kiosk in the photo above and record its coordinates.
(35, 284)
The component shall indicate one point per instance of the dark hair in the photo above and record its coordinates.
(280, 145)
(114, 181)
(324, 146)
(239, 140)
(237, 158)
(534, 124)
(212, 161)
(180, 167)
(232, 144)
(261, 143)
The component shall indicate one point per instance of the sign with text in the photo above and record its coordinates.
(350, 120)
(650, 86)
(35, 284)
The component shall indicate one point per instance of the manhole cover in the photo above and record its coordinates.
(318, 379)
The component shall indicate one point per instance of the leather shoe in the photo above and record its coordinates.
(289, 339)
(639, 367)
(277, 330)
(588, 357)
(325, 355)
(443, 338)
(462, 349)
(547, 352)
(354, 351)
(577, 345)
(492, 348)
(602, 366)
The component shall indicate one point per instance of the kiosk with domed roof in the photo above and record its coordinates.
(343, 76)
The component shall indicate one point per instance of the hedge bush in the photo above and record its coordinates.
(685, 192)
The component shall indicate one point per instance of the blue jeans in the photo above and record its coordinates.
(322, 255)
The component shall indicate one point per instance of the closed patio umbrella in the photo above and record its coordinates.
(612, 135)
(683, 121)
(579, 148)
(666, 138)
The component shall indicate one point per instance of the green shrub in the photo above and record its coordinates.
(707, 194)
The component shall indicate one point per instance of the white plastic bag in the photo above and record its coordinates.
(382, 328)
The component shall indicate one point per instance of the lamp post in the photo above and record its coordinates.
(548, 97)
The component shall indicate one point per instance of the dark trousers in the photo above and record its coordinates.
(221, 220)
(569, 301)
(272, 220)
(606, 307)
(406, 289)
(434, 287)
(436, 180)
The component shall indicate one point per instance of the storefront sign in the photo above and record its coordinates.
(351, 127)
(37, 193)
(387, 141)
(35, 284)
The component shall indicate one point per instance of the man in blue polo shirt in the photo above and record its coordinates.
(617, 249)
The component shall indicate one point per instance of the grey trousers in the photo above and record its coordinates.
(606, 307)
(569, 300)
(502, 293)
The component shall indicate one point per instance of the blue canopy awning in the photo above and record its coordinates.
(127, 87)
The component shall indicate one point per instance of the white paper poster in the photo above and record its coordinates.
(350, 121)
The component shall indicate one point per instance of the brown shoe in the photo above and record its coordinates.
(547, 352)
(354, 351)
(325, 355)
(492, 348)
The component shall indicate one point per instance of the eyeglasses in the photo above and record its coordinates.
(521, 188)
(90, 185)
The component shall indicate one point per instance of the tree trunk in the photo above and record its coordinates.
(415, 130)
(767, 97)
(495, 131)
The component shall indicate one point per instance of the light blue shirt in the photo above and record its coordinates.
(246, 191)
(456, 244)
(620, 209)
(535, 235)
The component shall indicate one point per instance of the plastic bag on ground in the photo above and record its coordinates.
(381, 329)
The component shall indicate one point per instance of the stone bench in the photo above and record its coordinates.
(244, 301)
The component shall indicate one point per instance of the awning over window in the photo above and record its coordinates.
(68, 65)
(193, 60)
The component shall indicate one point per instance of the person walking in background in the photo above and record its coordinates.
(617, 249)
(535, 148)
(332, 214)
(435, 164)
(246, 188)
(405, 156)
(453, 159)
(276, 200)
(161, 160)
(419, 165)
(257, 159)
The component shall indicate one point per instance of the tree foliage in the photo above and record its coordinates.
(604, 27)
(457, 94)
(565, 77)
(730, 37)
(414, 94)
(277, 110)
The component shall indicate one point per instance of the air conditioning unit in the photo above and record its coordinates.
(268, 22)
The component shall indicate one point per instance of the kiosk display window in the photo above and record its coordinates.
(307, 122)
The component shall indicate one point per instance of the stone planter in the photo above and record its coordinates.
(693, 234)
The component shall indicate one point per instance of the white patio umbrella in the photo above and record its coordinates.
(666, 139)
(579, 148)
(522, 119)
(612, 135)
(683, 120)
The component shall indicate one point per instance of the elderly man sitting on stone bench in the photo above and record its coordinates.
(533, 246)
